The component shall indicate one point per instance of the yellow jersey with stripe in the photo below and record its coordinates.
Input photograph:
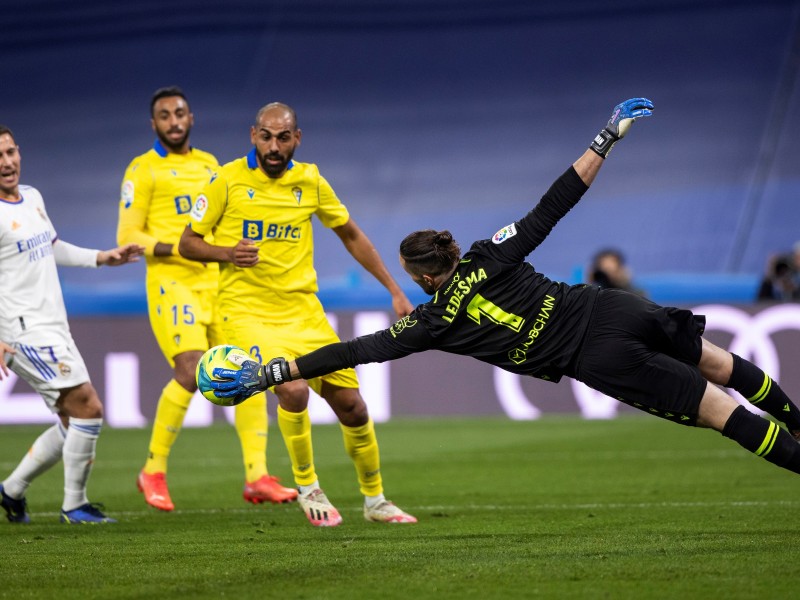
(158, 191)
(240, 202)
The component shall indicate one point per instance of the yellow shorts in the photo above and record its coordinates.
(182, 319)
(265, 341)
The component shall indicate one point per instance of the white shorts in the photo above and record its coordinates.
(49, 368)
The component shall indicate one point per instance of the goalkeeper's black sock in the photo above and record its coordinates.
(762, 392)
(763, 438)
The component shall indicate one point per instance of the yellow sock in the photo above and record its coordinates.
(296, 431)
(172, 407)
(362, 446)
(251, 426)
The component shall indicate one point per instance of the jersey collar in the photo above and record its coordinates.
(161, 150)
(252, 161)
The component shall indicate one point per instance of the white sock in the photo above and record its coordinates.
(79, 450)
(43, 454)
(305, 489)
(370, 501)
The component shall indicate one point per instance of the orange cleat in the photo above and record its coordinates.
(267, 489)
(154, 488)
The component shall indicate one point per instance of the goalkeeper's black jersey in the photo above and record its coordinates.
(495, 307)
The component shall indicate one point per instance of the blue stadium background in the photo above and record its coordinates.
(445, 113)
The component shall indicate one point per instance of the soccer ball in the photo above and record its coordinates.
(224, 357)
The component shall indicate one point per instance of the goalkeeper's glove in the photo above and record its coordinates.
(620, 122)
(250, 379)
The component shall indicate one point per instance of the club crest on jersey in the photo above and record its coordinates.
(200, 207)
(127, 193)
(298, 193)
(506, 232)
(64, 369)
(400, 325)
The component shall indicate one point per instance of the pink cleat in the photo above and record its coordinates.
(318, 509)
(387, 512)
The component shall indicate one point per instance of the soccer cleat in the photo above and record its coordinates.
(387, 512)
(154, 488)
(318, 509)
(16, 510)
(86, 514)
(267, 489)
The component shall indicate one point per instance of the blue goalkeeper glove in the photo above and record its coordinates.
(620, 122)
(250, 379)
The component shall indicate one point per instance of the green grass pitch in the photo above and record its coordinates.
(557, 508)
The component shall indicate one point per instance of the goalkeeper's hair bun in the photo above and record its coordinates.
(430, 252)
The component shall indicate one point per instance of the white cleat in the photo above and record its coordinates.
(387, 512)
(318, 509)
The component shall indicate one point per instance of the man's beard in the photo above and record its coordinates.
(274, 169)
(169, 144)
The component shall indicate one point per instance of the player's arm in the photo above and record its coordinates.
(402, 339)
(194, 247)
(134, 207)
(206, 214)
(361, 248)
(120, 256)
(567, 190)
(69, 255)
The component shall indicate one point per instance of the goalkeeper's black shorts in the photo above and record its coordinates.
(644, 355)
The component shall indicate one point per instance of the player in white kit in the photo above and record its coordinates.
(36, 343)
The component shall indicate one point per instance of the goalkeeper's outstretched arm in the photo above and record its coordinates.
(253, 377)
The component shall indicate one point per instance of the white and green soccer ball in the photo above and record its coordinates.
(219, 357)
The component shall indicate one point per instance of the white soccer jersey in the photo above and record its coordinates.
(31, 303)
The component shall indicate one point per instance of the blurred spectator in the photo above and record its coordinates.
(780, 281)
(608, 270)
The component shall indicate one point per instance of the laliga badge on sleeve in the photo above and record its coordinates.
(506, 232)
(127, 193)
(199, 208)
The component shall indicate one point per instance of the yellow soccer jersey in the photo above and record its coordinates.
(158, 191)
(240, 202)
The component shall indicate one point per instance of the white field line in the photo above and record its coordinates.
(461, 508)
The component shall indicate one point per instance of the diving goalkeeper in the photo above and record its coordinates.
(492, 305)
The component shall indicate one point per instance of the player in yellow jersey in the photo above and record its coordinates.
(158, 191)
(259, 210)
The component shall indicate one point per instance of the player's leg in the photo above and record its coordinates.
(80, 408)
(251, 419)
(291, 340)
(178, 327)
(45, 452)
(170, 413)
(361, 445)
(295, 425)
(754, 433)
(251, 426)
(727, 369)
